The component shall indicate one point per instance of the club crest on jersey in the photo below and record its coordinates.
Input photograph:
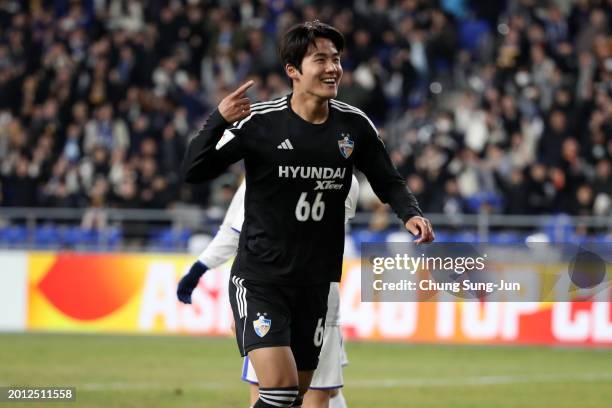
(262, 325)
(346, 145)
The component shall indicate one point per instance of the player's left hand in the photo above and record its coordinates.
(421, 227)
(188, 282)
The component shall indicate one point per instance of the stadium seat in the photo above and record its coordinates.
(603, 238)
(509, 237)
(477, 201)
(109, 237)
(170, 239)
(14, 235)
(442, 236)
(77, 237)
(47, 237)
(364, 235)
(468, 237)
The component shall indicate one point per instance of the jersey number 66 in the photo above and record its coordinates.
(304, 211)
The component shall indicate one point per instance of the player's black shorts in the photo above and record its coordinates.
(269, 315)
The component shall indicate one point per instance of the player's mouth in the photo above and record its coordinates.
(330, 81)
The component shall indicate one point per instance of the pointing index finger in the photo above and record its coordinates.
(242, 89)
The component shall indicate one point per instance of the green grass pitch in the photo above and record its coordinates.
(172, 371)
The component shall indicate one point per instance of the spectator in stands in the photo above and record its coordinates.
(20, 182)
(95, 217)
(105, 131)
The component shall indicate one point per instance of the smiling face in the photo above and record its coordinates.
(320, 71)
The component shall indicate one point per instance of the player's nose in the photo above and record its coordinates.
(331, 68)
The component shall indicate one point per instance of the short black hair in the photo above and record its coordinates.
(295, 42)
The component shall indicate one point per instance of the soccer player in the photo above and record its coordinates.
(327, 380)
(299, 152)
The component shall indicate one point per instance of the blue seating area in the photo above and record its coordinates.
(172, 239)
(59, 237)
(471, 237)
(169, 239)
(13, 234)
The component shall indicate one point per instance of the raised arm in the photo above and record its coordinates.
(214, 147)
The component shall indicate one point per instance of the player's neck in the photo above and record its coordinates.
(309, 107)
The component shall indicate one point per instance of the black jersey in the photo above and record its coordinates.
(298, 175)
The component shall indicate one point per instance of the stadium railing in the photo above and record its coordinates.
(171, 230)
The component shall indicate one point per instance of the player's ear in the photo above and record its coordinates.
(292, 71)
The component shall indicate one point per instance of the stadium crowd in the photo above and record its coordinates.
(485, 106)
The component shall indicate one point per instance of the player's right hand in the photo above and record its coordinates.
(188, 282)
(236, 106)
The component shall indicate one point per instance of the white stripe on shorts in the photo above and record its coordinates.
(240, 296)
